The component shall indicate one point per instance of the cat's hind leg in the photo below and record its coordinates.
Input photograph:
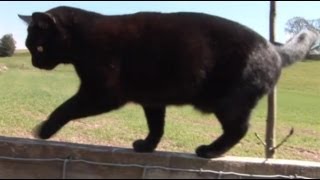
(233, 112)
(234, 129)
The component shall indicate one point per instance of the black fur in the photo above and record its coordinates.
(155, 60)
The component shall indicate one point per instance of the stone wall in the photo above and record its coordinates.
(27, 158)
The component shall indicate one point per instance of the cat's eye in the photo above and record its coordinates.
(40, 49)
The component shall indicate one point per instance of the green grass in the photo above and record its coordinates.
(28, 95)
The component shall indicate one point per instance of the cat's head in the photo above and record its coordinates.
(46, 40)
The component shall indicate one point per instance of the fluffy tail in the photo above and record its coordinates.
(297, 47)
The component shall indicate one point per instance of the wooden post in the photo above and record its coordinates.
(272, 98)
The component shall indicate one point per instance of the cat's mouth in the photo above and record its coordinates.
(43, 64)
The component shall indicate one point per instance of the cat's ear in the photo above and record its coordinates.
(43, 20)
(26, 19)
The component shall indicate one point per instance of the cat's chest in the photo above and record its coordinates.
(102, 77)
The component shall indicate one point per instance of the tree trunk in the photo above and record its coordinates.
(272, 98)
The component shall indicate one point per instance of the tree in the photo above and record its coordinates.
(296, 24)
(272, 98)
(7, 45)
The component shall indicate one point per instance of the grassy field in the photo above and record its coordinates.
(28, 95)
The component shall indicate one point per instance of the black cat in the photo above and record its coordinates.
(157, 59)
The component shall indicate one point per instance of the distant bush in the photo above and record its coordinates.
(7, 45)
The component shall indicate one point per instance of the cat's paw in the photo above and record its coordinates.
(143, 146)
(208, 152)
(42, 131)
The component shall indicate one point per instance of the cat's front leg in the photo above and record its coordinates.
(79, 106)
(155, 119)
